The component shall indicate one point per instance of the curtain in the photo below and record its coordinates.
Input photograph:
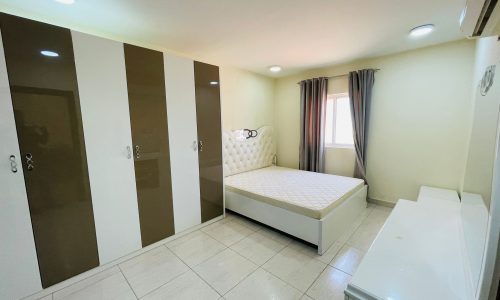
(360, 94)
(313, 94)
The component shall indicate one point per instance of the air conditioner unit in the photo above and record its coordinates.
(480, 18)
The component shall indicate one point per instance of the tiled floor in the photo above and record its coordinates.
(235, 259)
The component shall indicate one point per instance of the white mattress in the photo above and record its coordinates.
(307, 193)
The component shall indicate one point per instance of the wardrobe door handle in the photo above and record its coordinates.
(13, 164)
(137, 151)
(200, 146)
(29, 161)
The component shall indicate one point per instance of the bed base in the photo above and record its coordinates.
(322, 233)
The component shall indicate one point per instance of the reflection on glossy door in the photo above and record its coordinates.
(48, 121)
(148, 117)
(210, 139)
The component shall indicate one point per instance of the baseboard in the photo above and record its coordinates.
(381, 202)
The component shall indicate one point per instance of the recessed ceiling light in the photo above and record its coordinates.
(49, 53)
(214, 82)
(67, 2)
(275, 69)
(421, 30)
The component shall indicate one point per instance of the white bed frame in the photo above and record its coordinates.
(323, 232)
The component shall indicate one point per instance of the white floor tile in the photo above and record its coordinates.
(326, 258)
(380, 214)
(276, 235)
(348, 259)
(366, 233)
(253, 225)
(295, 267)
(195, 247)
(345, 237)
(257, 247)
(385, 209)
(225, 270)
(364, 236)
(263, 285)
(109, 284)
(330, 285)
(185, 287)
(227, 233)
(290, 268)
(152, 269)
(305, 297)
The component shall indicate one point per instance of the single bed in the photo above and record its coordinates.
(317, 208)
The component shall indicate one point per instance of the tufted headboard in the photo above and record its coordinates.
(241, 154)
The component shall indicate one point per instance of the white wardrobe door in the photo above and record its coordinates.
(19, 273)
(102, 85)
(182, 134)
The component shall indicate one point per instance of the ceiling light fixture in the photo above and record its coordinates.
(49, 53)
(67, 2)
(275, 69)
(422, 30)
(214, 82)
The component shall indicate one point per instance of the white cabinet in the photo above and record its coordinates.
(19, 275)
(182, 131)
(417, 254)
(102, 84)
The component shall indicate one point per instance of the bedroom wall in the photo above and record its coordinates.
(419, 121)
(247, 99)
(484, 120)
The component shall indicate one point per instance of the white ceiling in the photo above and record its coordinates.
(254, 34)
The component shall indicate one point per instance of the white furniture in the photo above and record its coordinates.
(103, 101)
(318, 209)
(183, 137)
(102, 86)
(421, 252)
(18, 262)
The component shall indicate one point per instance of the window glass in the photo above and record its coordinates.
(338, 124)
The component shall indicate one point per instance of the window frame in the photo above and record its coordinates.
(334, 97)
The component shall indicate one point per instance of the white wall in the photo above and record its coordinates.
(419, 120)
(484, 115)
(246, 99)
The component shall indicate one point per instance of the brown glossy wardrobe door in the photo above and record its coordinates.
(210, 140)
(49, 127)
(148, 116)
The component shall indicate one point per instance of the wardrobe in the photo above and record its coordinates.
(106, 148)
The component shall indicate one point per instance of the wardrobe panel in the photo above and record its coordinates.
(47, 113)
(19, 274)
(208, 115)
(181, 104)
(102, 83)
(148, 117)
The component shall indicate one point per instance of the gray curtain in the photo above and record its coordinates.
(360, 92)
(313, 94)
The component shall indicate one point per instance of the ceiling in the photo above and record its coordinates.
(254, 34)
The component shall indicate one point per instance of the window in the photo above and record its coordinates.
(338, 130)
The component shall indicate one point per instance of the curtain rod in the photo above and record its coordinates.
(341, 75)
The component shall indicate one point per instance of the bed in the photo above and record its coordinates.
(317, 208)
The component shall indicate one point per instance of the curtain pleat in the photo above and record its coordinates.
(360, 93)
(313, 94)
